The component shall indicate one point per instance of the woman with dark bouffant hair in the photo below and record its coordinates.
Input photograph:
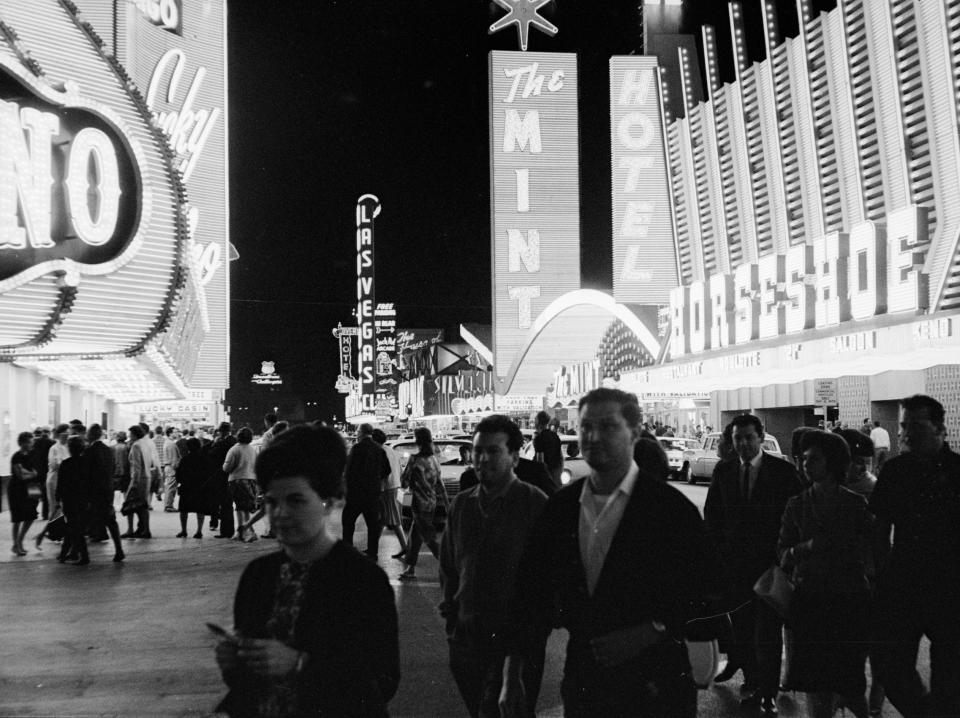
(422, 476)
(824, 538)
(315, 624)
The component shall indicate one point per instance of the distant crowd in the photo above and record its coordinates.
(68, 477)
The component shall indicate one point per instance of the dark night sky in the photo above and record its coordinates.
(330, 100)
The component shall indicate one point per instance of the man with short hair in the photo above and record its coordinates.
(622, 561)
(918, 588)
(487, 528)
(744, 505)
(171, 459)
(367, 469)
(98, 463)
(547, 448)
(881, 446)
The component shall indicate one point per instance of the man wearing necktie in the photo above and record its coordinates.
(744, 505)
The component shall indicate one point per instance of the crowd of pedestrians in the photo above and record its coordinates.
(622, 561)
(71, 481)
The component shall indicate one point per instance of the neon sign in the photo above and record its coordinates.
(874, 269)
(70, 194)
(534, 152)
(368, 207)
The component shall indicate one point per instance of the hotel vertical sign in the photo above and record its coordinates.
(535, 192)
(644, 251)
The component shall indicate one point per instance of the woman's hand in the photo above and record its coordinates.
(227, 658)
(267, 657)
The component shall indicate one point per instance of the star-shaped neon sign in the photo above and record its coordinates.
(523, 13)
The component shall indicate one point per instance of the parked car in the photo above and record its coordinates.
(574, 465)
(698, 462)
(674, 448)
(448, 452)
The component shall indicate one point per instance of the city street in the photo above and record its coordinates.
(129, 639)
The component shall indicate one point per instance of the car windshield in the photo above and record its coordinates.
(668, 444)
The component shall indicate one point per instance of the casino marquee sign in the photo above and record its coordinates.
(94, 251)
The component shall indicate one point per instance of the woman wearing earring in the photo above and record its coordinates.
(315, 623)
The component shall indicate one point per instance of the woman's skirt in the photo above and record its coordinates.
(389, 508)
(244, 493)
(830, 641)
(23, 507)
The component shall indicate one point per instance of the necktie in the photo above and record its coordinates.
(745, 486)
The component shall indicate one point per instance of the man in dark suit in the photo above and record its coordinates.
(367, 469)
(98, 464)
(622, 561)
(743, 509)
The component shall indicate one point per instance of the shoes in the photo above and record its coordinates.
(226, 536)
(146, 535)
(749, 699)
(117, 558)
(198, 535)
(768, 706)
(251, 537)
(408, 574)
(727, 673)
(128, 534)
(19, 551)
(399, 556)
(72, 556)
(182, 534)
(84, 561)
(169, 510)
(269, 534)
(37, 541)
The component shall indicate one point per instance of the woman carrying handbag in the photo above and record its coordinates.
(824, 537)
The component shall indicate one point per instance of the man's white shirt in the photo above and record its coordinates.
(599, 520)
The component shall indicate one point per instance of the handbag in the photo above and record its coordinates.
(132, 505)
(776, 589)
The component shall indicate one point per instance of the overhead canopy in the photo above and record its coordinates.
(567, 332)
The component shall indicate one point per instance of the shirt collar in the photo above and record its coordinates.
(501, 493)
(755, 461)
(625, 486)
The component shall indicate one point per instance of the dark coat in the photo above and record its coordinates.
(660, 566)
(746, 531)
(347, 625)
(98, 460)
(367, 468)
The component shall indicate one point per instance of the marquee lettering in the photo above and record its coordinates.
(875, 269)
(91, 183)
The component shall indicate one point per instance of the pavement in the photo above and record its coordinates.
(129, 640)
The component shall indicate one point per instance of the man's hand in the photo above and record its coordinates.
(268, 658)
(621, 645)
(513, 694)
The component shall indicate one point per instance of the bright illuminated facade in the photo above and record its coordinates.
(113, 211)
(817, 210)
